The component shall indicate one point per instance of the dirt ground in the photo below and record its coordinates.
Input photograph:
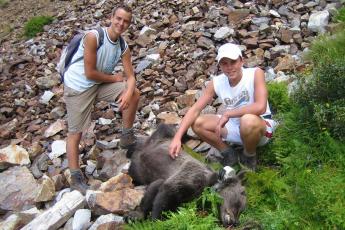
(15, 13)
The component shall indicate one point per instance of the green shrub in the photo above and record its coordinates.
(322, 94)
(278, 97)
(340, 16)
(35, 25)
(3, 3)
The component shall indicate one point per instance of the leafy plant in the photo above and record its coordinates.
(278, 97)
(35, 25)
(340, 16)
(3, 3)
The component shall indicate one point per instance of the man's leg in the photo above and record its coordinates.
(111, 92)
(79, 106)
(73, 140)
(128, 115)
(252, 128)
(205, 127)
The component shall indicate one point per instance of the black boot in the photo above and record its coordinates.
(249, 161)
(127, 139)
(78, 182)
(230, 157)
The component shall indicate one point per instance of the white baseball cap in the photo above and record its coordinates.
(229, 50)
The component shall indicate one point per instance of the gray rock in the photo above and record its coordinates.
(18, 190)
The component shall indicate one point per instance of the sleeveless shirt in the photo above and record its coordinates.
(240, 95)
(108, 56)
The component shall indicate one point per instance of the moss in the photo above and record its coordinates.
(35, 25)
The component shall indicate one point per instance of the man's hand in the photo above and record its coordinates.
(124, 100)
(175, 148)
(221, 123)
(118, 77)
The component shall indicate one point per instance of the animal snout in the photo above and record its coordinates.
(229, 220)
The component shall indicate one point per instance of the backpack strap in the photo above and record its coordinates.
(122, 44)
(100, 32)
(100, 43)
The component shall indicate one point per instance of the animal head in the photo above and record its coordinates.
(234, 199)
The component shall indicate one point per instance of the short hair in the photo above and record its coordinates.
(121, 6)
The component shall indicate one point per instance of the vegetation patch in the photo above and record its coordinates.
(35, 25)
(3, 3)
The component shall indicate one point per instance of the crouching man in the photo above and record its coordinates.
(247, 120)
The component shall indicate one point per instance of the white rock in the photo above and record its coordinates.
(106, 219)
(153, 57)
(223, 33)
(104, 121)
(58, 149)
(14, 154)
(46, 97)
(81, 219)
(54, 128)
(318, 21)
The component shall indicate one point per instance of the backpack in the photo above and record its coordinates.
(68, 52)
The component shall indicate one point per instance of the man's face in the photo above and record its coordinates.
(120, 21)
(231, 68)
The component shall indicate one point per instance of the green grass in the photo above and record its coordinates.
(3, 3)
(35, 25)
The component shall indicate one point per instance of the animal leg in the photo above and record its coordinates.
(150, 194)
(164, 201)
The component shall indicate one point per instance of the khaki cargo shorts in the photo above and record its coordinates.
(79, 105)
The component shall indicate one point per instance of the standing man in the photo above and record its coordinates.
(92, 79)
(247, 120)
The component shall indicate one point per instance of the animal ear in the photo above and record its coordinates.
(241, 175)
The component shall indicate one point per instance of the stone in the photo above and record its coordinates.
(47, 95)
(46, 190)
(18, 189)
(107, 145)
(106, 220)
(19, 219)
(58, 148)
(223, 32)
(111, 163)
(318, 21)
(237, 15)
(169, 118)
(55, 128)
(117, 202)
(8, 128)
(81, 219)
(57, 112)
(13, 155)
(57, 215)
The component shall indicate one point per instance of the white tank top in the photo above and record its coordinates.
(108, 55)
(240, 95)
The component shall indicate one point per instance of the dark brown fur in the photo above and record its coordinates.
(174, 181)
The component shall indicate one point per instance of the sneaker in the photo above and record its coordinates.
(78, 182)
(248, 161)
(127, 140)
(230, 157)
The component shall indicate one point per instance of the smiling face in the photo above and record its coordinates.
(232, 69)
(120, 21)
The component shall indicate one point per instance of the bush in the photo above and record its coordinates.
(340, 16)
(3, 3)
(322, 93)
(35, 25)
(278, 97)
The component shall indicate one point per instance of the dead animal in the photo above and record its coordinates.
(175, 181)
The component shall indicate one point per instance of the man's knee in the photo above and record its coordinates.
(136, 94)
(250, 124)
(198, 124)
